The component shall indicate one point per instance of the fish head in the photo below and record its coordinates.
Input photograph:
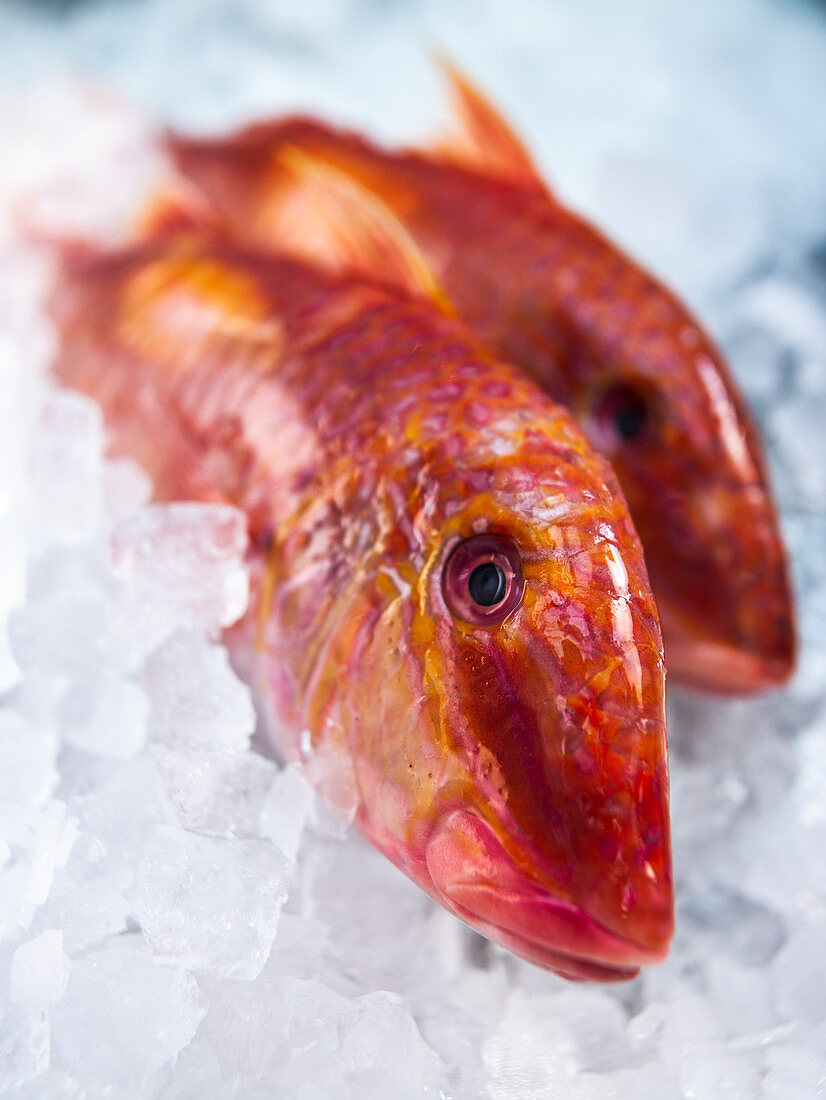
(656, 398)
(517, 765)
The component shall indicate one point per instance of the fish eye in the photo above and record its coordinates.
(482, 579)
(623, 415)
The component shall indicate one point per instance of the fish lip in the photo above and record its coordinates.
(525, 916)
(574, 965)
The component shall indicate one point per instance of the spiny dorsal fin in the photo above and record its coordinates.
(482, 139)
(319, 213)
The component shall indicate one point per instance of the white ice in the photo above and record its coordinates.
(39, 969)
(180, 566)
(211, 904)
(121, 1039)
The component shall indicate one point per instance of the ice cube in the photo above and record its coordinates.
(195, 695)
(361, 894)
(309, 1019)
(54, 835)
(67, 469)
(85, 915)
(89, 169)
(27, 774)
(40, 969)
(26, 880)
(180, 565)
(25, 275)
(286, 810)
(105, 715)
(384, 1053)
(122, 1015)
(526, 1056)
(331, 773)
(13, 424)
(300, 945)
(126, 487)
(216, 790)
(211, 904)
(244, 1029)
(66, 636)
(115, 817)
(24, 1045)
(12, 592)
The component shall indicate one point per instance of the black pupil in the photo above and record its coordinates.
(629, 415)
(487, 584)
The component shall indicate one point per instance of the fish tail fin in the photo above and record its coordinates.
(480, 138)
(322, 214)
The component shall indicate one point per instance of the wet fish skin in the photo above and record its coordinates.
(601, 336)
(516, 769)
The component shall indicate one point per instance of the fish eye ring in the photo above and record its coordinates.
(482, 579)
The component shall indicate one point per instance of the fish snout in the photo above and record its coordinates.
(476, 878)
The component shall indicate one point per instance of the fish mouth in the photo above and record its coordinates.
(476, 879)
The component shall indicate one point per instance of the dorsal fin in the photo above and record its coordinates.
(321, 214)
(177, 207)
(482, 140)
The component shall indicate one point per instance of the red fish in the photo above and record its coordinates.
(451, 614)
(598, 333)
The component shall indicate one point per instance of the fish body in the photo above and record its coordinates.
(597, 333)
(450, 613)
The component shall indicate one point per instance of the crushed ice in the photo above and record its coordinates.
(177, 916)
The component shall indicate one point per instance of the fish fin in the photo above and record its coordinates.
(177, 208)
(321, 214)
(482, 140)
